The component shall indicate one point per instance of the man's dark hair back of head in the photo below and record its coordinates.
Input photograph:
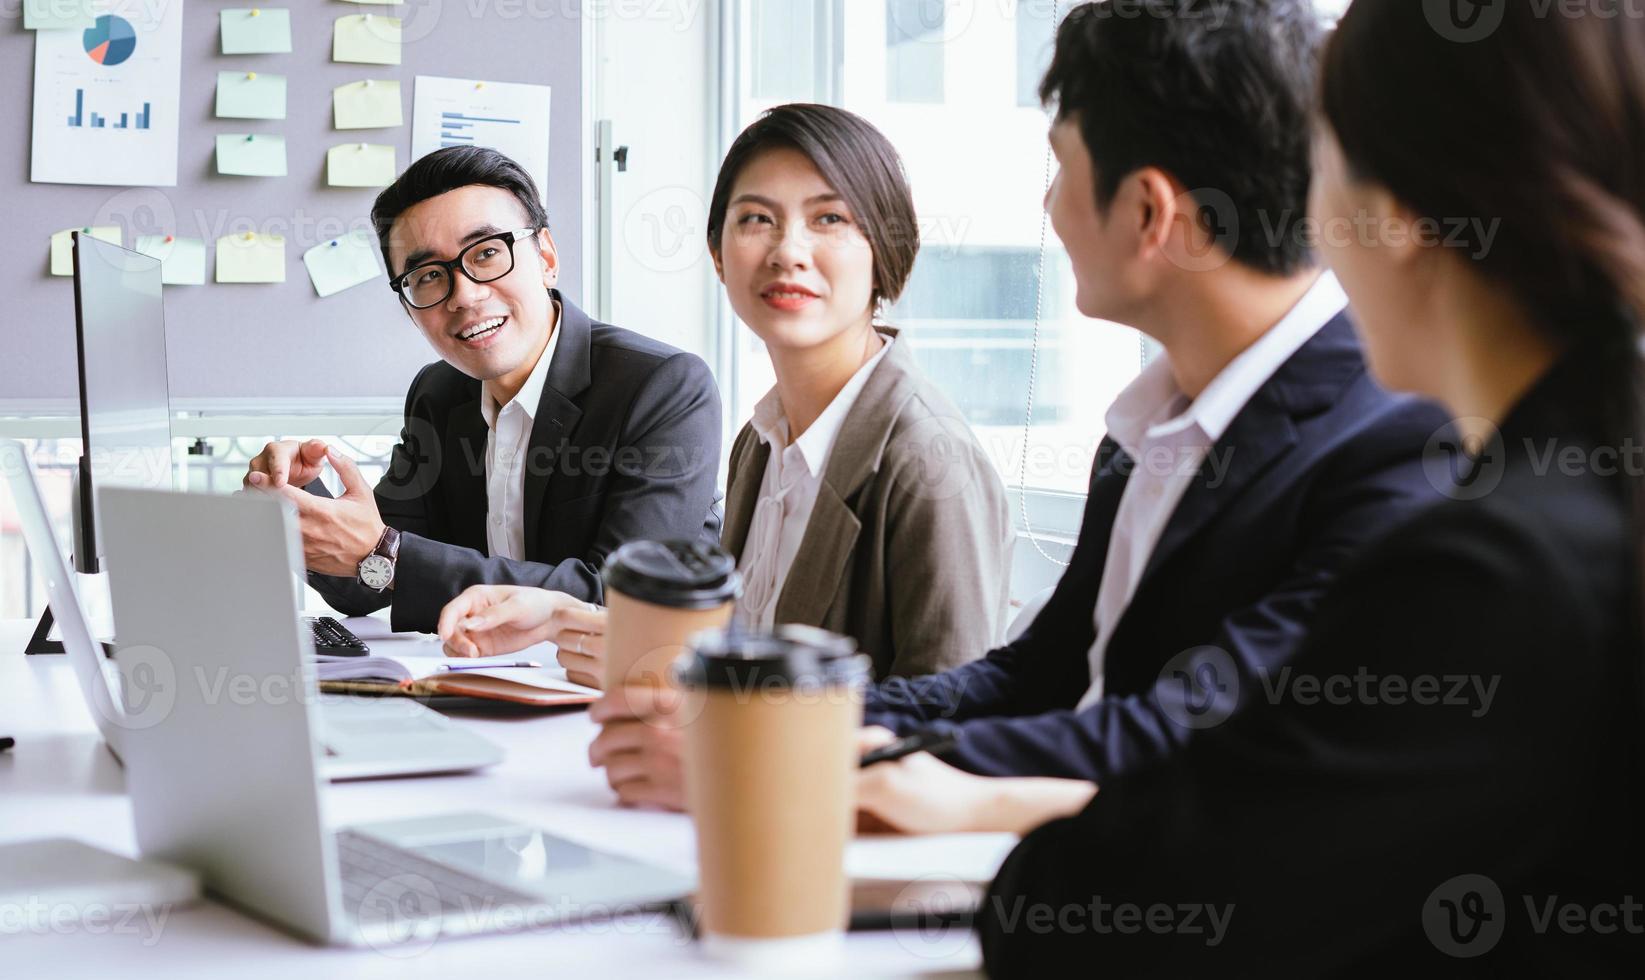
(446, 170)
(1218, 93)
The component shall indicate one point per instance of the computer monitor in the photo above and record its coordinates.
(125, 403)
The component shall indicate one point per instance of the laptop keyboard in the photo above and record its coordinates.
(333, 638)
(386, 884)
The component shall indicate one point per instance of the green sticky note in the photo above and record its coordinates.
(44, 15)
(182, 260)
(340, 263)
(250, 95)
(250, 257)
(367, 39)
(251, 155)
(371, 104)
(360, 165)
(62, 246)
(256, 30)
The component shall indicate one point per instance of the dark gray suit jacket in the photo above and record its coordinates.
(908, 549)
(626, 445)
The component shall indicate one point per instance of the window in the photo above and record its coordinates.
(914, 50)
(946, 83)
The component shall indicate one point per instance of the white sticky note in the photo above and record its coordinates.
(371, 104)
(341, 263)
(250, 95)
(251, 155)
(367, 39)
(360, 165)
(182, 260)
(62, 246)
(256, 30)
(43, 15)
(250, 257)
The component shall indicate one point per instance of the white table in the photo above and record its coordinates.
(61, 781)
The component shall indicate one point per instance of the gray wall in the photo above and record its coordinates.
(277, 340)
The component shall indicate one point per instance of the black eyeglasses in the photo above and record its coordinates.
(486, 260)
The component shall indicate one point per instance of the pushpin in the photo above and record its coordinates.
(168, 239)
(369, 83)
(256, 12)
(362, 146)
(251, 76)
(250, 236)
(85, 231)
(248, 137)
(334, 243)
(479, 85)
(366, 18)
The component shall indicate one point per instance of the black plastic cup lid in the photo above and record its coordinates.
(678, 574)
(788, 656)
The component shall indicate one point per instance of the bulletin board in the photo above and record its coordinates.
(229, 343)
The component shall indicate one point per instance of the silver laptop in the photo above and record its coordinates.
(229, 787)
(361, 737)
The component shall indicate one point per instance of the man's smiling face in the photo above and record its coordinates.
(488, 331)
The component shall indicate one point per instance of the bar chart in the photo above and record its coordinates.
(93, 120)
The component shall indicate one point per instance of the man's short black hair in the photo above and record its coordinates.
(1217, 93)
(446, 170)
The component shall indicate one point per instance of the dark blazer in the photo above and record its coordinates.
(1318, 462)
(1338, 831)
(908, 549)
(625, 445)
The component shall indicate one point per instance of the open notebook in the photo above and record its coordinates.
(489, 678)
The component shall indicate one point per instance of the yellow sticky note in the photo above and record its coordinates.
(250, 257)
(62, 246)
(367, 39)
(342, 262)
(250, 95)
(39, 15)
(182, 260)
(251, 155)
(371, 104)
(256, 30)
(360, 165)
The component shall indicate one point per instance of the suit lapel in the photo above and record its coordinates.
(819, 565)
(1259, 435)
(1263, 431)
(831, 533)
(569, 375)
(743, 490)
(465, 473)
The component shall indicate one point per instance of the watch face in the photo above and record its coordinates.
(376, 572)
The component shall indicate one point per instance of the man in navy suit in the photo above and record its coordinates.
(1244, 468)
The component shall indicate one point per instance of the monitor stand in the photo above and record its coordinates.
(39, 642)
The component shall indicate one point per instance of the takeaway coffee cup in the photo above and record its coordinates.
(770, 770)
(657, 594)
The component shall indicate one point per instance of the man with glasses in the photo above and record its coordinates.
(539, 443)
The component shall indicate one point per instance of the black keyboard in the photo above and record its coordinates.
(334, 639)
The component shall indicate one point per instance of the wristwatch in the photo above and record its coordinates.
(377, 569)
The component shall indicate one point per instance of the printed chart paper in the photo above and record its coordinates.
(505, 116)
(105, 98)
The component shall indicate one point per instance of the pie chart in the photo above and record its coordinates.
(110, 40)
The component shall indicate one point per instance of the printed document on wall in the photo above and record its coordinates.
(105, 98)
(505, 116)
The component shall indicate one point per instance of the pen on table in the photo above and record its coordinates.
(918, 742)
(518, 663)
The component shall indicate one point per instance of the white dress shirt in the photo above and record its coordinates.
(507, 446)
(788, 490)
(1169, 437)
